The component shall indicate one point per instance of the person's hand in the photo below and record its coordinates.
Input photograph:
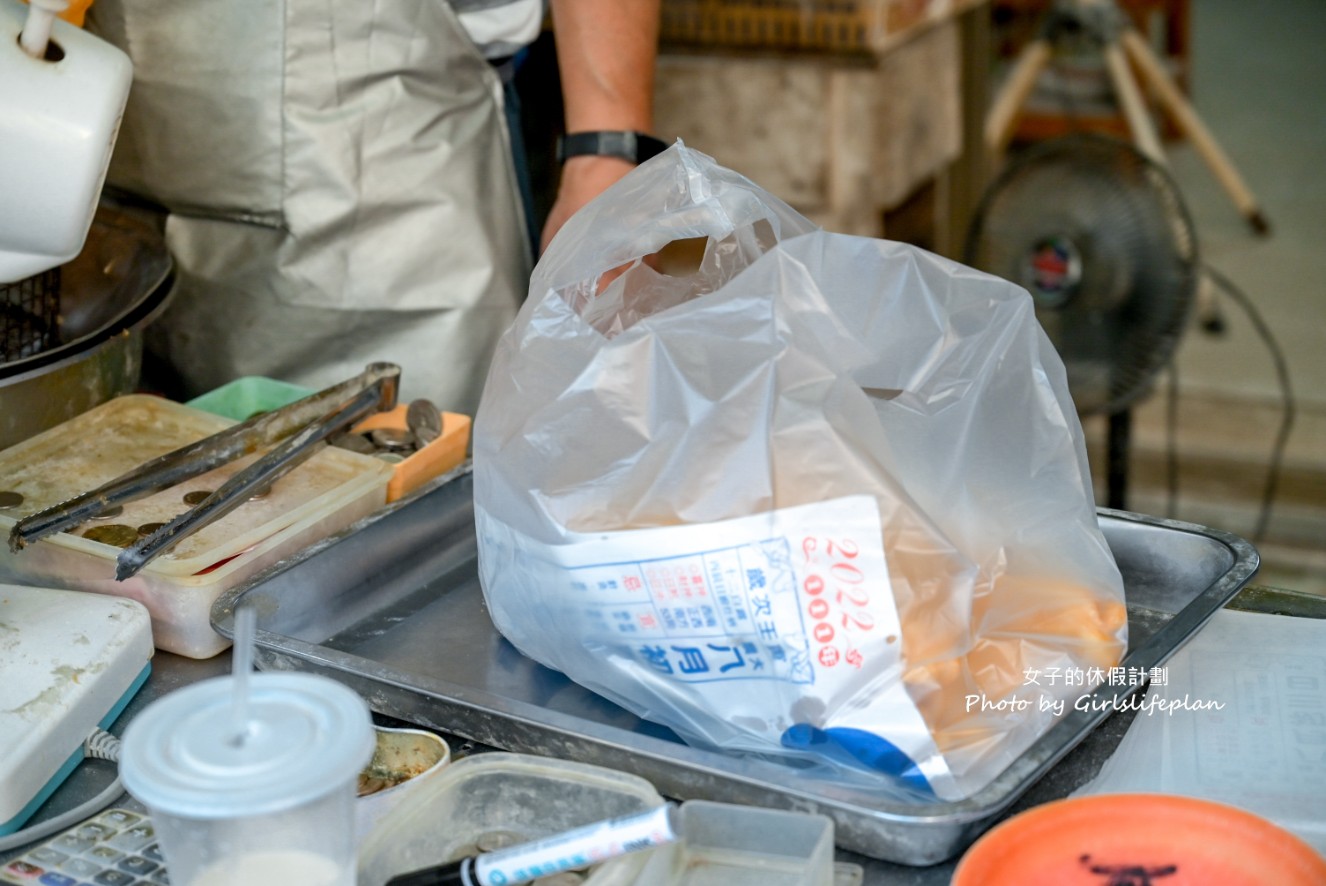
(583, 179)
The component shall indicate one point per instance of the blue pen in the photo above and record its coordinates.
(569, 851)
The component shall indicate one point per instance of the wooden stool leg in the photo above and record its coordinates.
(1134, 109)
(1008, 103)
(1193, 127)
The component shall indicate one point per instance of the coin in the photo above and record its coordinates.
(10, 499)
(392, 438)
(494, 840)
(261, 493)
(196, 496)
(424, 421)
(391, 458)
(148, 528)
(116, 534)
(110, 513)
(353, 442)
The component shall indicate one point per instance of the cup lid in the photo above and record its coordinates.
(307, 736)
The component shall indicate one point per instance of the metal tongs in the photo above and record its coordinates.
(295, 429)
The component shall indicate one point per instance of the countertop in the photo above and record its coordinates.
(171, 672)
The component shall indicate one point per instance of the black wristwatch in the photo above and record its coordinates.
(635, 147)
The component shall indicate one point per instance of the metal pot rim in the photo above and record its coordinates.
(155, 285)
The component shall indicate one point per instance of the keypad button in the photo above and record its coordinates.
(133, 839)
(160, 877)
(137, 865)
(94, 831)
(24, 870)
(114, 878)
(119, 818)
(55, 878)
(74, 844)
(46, 856)
(80, 867)
(104, 854)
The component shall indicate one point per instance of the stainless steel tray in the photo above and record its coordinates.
(392, 607)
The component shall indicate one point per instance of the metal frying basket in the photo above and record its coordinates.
(72, 338)
(29, 315)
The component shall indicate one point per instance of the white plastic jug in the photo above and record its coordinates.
(59, 114)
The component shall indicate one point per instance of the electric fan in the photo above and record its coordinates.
(1099, 236)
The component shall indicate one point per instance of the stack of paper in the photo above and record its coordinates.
(1247, 724)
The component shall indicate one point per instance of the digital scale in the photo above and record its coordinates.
(69, 662)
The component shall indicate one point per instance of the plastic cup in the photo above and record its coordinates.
(276, 807)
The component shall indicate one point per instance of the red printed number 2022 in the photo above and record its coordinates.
(837, 597)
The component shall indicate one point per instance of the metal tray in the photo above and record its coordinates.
(392, 607)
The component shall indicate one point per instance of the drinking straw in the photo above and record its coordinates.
(242, 666)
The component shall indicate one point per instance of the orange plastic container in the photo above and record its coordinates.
(434, 460)
(1139, 838)
(243, 397)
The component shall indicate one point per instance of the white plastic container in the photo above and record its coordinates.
(328, 492)
(721, 844)
(495, 800)
(59, 116)
(275, 807)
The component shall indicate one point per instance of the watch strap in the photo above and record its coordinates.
(635, 147)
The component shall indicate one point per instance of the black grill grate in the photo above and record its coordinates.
(29, 316)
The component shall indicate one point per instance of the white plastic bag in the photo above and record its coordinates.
(825, 496)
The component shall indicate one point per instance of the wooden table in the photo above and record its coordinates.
(873, 132)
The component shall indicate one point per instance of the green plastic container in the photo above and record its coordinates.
(249, 396)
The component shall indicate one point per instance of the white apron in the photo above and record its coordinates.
(340, 187)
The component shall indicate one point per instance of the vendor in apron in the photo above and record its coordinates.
(339, 177)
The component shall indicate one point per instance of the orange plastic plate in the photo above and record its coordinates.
(1139, 838)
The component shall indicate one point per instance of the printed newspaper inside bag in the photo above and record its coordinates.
(827, 496)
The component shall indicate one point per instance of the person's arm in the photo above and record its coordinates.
(605, 52)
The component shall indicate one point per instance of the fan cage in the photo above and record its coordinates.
(1132, 203)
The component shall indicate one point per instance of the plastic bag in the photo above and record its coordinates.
(825, 496)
